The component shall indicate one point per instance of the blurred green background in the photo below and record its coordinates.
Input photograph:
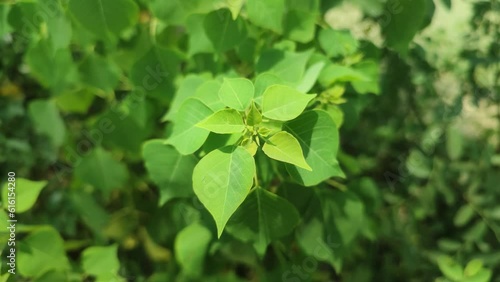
(85, 84)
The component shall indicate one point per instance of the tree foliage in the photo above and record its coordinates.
(257, 140)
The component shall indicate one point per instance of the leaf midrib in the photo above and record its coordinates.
(101, 10)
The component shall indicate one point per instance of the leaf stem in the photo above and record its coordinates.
(256, 180)
(336, 184)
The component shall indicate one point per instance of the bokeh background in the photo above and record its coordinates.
(85, 84)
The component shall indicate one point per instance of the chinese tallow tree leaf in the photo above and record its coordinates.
(344, 214)
(224, 32)
(175, 12)
(225, 121)
(42, 251)
(75, 102)
(235, 7)
(58, 25)
(310, 77)
(54, 69)
(198, 40)
(450, 268)
(101, 262)
(337, 42)
(99, 72)
(186, 89)
(282, 146)
(208, 93)
(102, 171)
(400, 28)
(47, 120)
(370, 70)
(254, 117)
(168, 169)
(222, 180)
(262, 218)
(27, 192)
(288, 66)
(267, 13)
(186, 137)
(105, 18)
(300, 25)
(154, 72)
(318, 136)
(463, 215)
(262, 82)
(236, 93)
(310, 232)
(191, 245)
(281, 102)
(338, 73)
(4, 25)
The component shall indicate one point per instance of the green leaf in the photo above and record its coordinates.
(370, 84)
(310, 233)
(100, 73)
(41, 252)
(217, 141)
(133, 114)
(282, 146)
(463, 215)
(186, 137)
(168, 169)
(319, 138)
(262, 218)
(26, 192)
(176, 12)
(54, 69)
(267, 13)
(235, 7)
(75, 102)
(153, 73)
(102, 171)
(473, 267)
(254, 117)
(225, 121)
(343, 221)
(300, 25)
(47, 120)
(92, 214)
(208, 93)
(198, 39)
(106, 19)
(284, 103)
(237, 93)
(224, 32)
(58, 25)
(483, 275)
(101, 262)
(400, 28)
(186, 89)
(337, 43)
(222, 180)
(450, 268)
(191, 245)
(454, 142)
(4, 25)
(52, 276)
(262, 82)
(288, 66)
(310, 77)
(333, 73)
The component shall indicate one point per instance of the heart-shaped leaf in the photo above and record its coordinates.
(282, 146)
(222, 180)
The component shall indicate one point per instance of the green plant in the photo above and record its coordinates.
(176, 140)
